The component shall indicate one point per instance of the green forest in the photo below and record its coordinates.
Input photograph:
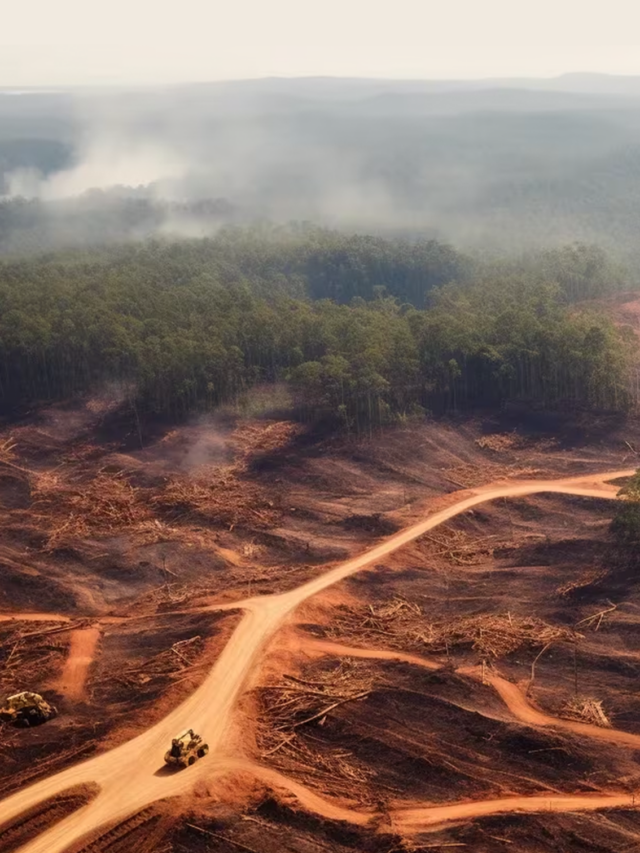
(363, 330)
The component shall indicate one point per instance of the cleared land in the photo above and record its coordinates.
(445, 753)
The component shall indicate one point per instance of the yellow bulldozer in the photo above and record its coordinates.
(27, 709)
(186, 749)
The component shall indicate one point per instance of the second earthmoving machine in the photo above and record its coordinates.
(186, 749)
(27, 709)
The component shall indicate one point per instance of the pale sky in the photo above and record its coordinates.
(57, 42)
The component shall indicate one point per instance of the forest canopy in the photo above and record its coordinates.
(362, 329)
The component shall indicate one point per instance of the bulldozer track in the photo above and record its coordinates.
(22, 829)
(40, 769)
(120, 837)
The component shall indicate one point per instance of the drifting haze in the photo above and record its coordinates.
(504, 165)
(104, 164)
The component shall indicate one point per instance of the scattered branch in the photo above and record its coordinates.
(222, 838)
(586, 711)
(533, 665)
(329, 708)
(589, 620)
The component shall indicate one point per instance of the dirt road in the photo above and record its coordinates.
(515, 699)
(328, 647)
(132, 775)
(512, 695)
(410, 821)
(74, 674)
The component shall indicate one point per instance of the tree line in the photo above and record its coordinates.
(362, 329)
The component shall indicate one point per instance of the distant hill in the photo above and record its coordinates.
(484, 163)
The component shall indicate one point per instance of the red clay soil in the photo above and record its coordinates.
(210, 708)
(73, 679)
(171, 556)
(18, 832)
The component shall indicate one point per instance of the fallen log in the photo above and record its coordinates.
(326, 710)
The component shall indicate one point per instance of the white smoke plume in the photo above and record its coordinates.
(106, 163)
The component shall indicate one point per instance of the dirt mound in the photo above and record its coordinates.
(18, 832)
(143, 831)
(274, 826)
(616, 830)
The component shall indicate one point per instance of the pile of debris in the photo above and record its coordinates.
(221, 494)
(7, 451)
(493, 635)
(31, 655)
(251, 438)
(171, 596)
(73, 502)
(585, 711)
(499, 441)
(402, 625)
(592, 577)
(467, 475)
(105, 504)
(172, 663)
(293, 707)
(222, 498)
(396, 623)
(108, 503)
(459, 547)
(33, 442)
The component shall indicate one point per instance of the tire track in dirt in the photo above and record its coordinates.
(132, 776)
(328, 647)
(413, 820)
(74, 674)
(306, 797)
(511, 694)
(517, 703)
(30, 824)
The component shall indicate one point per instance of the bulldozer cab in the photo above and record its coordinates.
(185, 749)
(180, 744)
(27, 709)
(23, 700)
